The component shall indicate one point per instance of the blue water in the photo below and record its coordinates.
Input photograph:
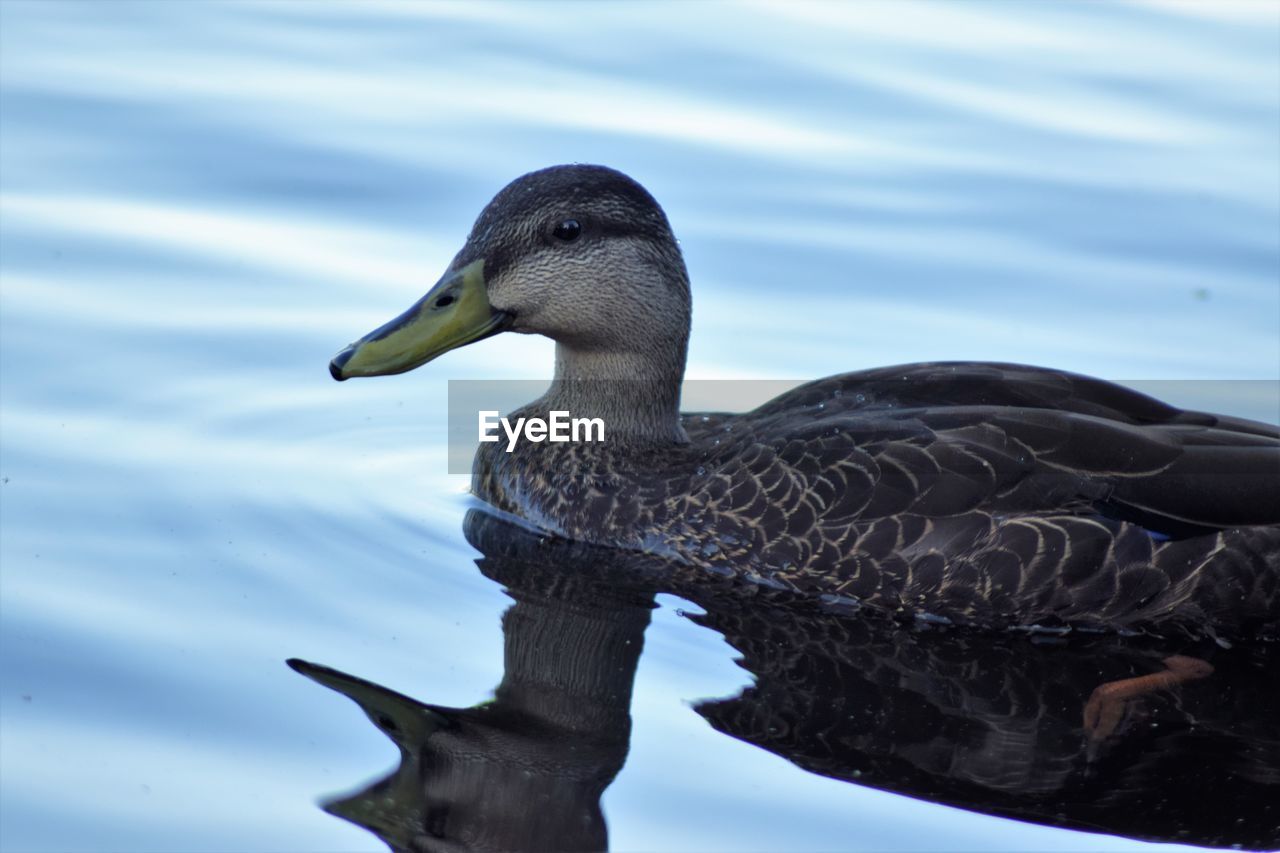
(201, 202)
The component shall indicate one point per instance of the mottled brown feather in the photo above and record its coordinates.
(902, 493)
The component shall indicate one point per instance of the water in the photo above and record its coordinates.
(201, 202)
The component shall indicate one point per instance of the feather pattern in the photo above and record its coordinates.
(978, 493)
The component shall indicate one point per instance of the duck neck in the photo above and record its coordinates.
(637, 395)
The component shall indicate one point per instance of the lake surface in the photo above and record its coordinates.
(200, 203)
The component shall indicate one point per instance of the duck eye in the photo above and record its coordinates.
(568, 230)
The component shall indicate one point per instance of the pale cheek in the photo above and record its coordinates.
(522, 294)
(530, 296)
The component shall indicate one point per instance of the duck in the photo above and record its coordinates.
(965, 493)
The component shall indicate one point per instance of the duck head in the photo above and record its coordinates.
(580, 254)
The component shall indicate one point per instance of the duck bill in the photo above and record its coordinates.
(454, 313)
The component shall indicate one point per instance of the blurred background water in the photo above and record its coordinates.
(201, 202)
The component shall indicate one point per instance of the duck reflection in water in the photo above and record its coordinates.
(1100, 733)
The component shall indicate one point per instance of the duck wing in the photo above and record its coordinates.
(947, 438)
(990, 494)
